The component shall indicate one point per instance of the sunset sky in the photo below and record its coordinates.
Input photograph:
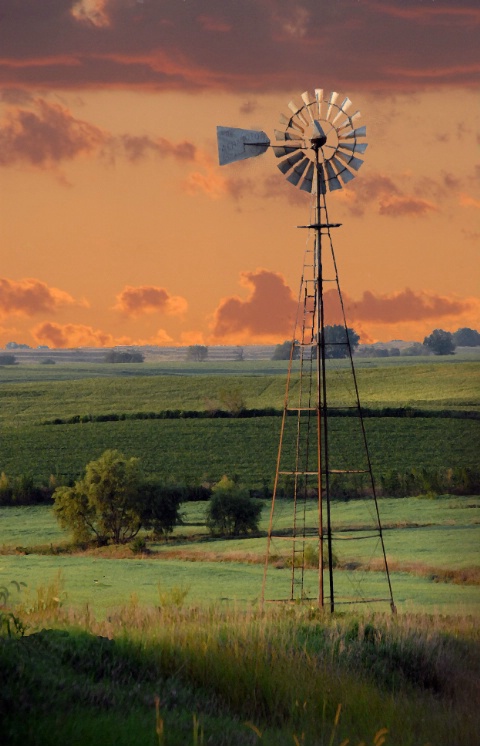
(117, 224)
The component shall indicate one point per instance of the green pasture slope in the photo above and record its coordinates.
(196, 449)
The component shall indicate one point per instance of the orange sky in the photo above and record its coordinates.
(118, 226)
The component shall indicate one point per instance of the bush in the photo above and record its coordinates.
(231, 512)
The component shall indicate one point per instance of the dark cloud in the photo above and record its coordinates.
(253, 45)
(136, 301)
(31, 296)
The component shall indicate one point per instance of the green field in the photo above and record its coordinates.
(192, 450)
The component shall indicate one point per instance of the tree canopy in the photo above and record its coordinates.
(112, 502)
(231, 511)
(440, 342)
(466, 337)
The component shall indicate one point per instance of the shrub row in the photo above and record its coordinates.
(178, 414)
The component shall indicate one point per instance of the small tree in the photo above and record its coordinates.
(105, 504)
(231, 511)
(6, 359)
(440, 342)
(197, 353)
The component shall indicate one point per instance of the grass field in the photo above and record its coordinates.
(422, 539)
(183, 621)
(432, 386)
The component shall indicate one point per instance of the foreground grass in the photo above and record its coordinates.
(244, 676)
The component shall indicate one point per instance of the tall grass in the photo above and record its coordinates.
(249, 676)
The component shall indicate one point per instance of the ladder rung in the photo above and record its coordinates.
(348, 471)
(301, 473)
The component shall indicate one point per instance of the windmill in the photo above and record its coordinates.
(317, 150)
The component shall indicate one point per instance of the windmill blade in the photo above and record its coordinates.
(297, 172)
(342, 171)
(349, 121)
(280, 152)
(282, 136)
(291, 124)
(360, 132)
(308, 104)
(355, 147)
(352, 162)
(307, 183)
(344, 106)
(319, 99)
(333, 182)
(236, 144)
(331, 103)
(289, 163)
(297, 112)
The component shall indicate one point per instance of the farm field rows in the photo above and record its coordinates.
(190, 450)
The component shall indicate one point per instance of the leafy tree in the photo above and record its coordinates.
(440, 342)
(105, 504)
(124, 356)
(282, 351)
(336, 341)
(466, 337)
(160, 506)
(231, 511)
(197, 353)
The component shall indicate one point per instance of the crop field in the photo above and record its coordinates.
(190, 449)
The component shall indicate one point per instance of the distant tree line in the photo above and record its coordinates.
(439, 342)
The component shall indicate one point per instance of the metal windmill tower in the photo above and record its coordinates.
(318, 150)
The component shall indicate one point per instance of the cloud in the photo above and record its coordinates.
(30, 296)
(71, 335)
(249, 46)
(267, 313)
(45, 135)
(79, 335)
(137, 301)
(402, 206)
